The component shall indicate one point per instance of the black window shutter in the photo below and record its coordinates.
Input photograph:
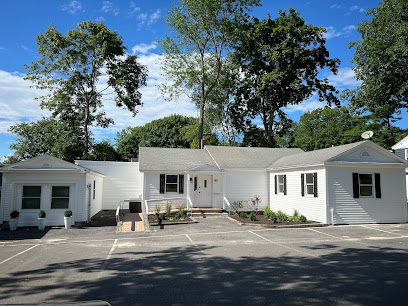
(315, 184)
(284, 184)
(302, 183)
(356, 186)
(181, 183)
(276, 184)
(377, 185)
(162, 182)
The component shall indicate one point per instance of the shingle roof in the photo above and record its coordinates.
(314, 157)
(242, 157)
(172, 159)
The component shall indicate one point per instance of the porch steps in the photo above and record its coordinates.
(208, 212)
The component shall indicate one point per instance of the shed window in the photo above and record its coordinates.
(366, 184)
(309, 184)
(171, 183)
(31, 197)
(60, 197)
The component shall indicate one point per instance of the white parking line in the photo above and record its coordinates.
(285, 246)
(6, 260)
(107, 258)
(377, 229)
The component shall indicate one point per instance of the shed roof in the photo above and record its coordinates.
(172, 159)
(243, 157)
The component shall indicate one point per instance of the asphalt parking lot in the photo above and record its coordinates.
(212, 262)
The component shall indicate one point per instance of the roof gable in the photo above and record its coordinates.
(402, 144)
(44, 162)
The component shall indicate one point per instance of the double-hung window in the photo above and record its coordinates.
(366, 185)
(171, 183)
(60, 197)
(31, 197)
(309, 184)
(280, 184)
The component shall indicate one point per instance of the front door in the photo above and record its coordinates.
(202, 191)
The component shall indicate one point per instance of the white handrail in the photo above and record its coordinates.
(189, 205)
(228, 204)
(118, 212)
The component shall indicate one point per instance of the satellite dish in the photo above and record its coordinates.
(367, 135)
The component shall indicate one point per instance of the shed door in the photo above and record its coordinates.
(202, 191)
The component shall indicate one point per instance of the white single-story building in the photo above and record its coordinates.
(354, 183)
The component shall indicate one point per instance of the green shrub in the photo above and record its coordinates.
(68, 213)
(181, 209)
(181, 219)
(178, 215)
(157, 209)
(281, 216)
(295, 216)
(243, 215)
(272, 217)
(41, 214)
(171, 219)
(14, 214)
(168, 209)
(160, 217)
(267, 211)
(302, 218)
(252, 216)
(236, 207)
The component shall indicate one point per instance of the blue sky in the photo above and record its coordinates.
(141, 23)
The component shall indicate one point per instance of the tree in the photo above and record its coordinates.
(280, 61)
(192, 59)
(175, 131)
(46, 136)
(381, 63)
(72, 66)
(326, 127)
(104, 150)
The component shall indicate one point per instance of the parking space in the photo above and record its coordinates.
(214, 261)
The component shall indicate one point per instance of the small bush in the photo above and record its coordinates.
(236, 207)
(178, 215)
(157, 209)
(160, 217)
(181, 219)
(171, 219)
(181, 209)
(68, 213)
(281, 216)
(41, 214)
(243, 215)
(14, 214)
(295, 216)
(252, 216)
(302, 218)
(267, 211)
(272, 217)
(168, 209)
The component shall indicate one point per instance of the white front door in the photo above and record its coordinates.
(202, 189)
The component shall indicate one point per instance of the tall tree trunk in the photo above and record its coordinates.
(201, 121)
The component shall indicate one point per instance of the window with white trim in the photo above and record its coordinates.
(365, 181)
(171, 183)
(309, 184)
(60, 197)
(31, 197)
(281, 184)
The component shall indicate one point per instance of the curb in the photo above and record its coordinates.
(175, 223)
(279, 226)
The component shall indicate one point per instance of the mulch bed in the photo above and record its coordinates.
(261, 220)
(187, 220)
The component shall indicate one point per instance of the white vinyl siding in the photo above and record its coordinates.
(314, 208)
(390, 208)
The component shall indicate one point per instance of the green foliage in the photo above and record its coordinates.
(104, 150)
(273, 217)
(243, 215)
(46, 136)
(381, 63)
(70, 68)
(168, 209)
(157, 209)
(302, 218)
(296, 216)
(236, 207)
(177, 215)
(160, 217)
(280, 60)
(181, 209)
(68, 213)
(42, 214)
(281, 216)
(267, 211)
(193, 56)
(252, 216)
(14, 214)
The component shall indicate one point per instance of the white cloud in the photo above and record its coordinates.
(345, 78)
(335, 6)
(146, 20)
(99, 19)
(305, 106)
(357, 8)
(133, 8)
(107, 7)
(332, 32)
(144, 48)
(71, 7)
(18, 104)
(154, 17)
(3, 158)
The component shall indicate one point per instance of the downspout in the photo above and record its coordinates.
(88, 186)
